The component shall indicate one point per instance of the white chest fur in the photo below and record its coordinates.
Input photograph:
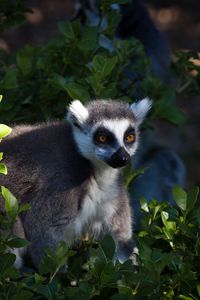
(98, 205)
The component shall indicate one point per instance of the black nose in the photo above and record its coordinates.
(119, 158)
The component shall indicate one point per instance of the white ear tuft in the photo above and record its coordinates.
(141, 108)
(77, 113)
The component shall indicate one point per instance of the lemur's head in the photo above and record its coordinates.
(107, 132)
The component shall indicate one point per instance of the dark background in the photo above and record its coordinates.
(180, 23)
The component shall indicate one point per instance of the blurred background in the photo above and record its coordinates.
(179, 21)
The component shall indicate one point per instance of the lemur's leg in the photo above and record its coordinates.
(18, 231)
(45, 231)
(121, 229)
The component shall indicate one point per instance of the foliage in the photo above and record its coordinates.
(12, 14)
(187, 67)
(4, 131)
(84, 62)
(168, 264)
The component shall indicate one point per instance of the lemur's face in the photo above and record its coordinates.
(114, 141)
(106, 132)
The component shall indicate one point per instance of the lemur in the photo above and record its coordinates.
(70, 174)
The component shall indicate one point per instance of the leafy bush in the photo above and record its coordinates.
(4, 131)
(82, 62)
(168, 264)
(187, 69)
(12, 14)
(7, 270)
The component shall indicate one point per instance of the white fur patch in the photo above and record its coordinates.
(19, 253)
(84, 143)
(77, 111)
(98, 206)
(141, 108)
(118, 127)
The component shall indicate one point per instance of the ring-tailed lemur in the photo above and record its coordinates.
(70, 174)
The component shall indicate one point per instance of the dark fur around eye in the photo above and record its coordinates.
(130, 131)
(110, 138)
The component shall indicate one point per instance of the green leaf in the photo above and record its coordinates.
(104, 65)
(167, 110)
(66, 28)
(144, 204)
(108, 246)
(198, 289)
(62, 254)
(11, 204)
(59, 81)
(39, 279)
(171, 226)
(10, 79)
(48, 291)
(121, 296)
(22, 295)
(108, 274)
(12, 273)
(17, 243)
(47, 264)
(88, 41)
(192, 197)
(77, 293)
(109, 91)
(24, 207)
(4, 130)
(180, 197)
(130, 175)
(113, 18)
(1, 156)
(6, 261)
(3, 169)
(165, 217)
(77, 91)
(1, 97)
(167, 233)
(96, 263)
(24, 60)
(185, 297)
(126, 290)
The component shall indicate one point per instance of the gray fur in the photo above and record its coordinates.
(100, 109)
(69, 194)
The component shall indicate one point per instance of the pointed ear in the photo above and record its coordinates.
(140, 109)
(77, 113)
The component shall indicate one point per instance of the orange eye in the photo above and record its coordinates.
(130, 138)
(102, 138)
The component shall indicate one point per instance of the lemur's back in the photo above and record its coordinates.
(39, 157)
